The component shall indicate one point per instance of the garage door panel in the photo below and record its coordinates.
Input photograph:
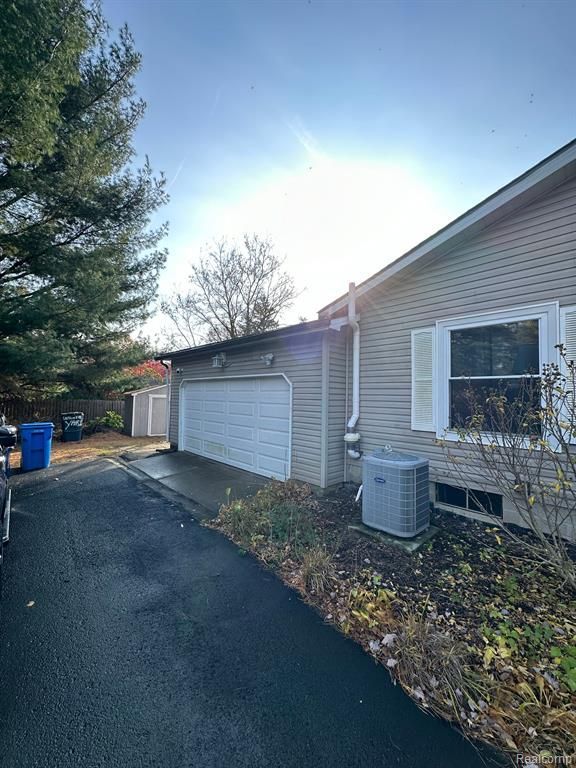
(269, 466)
(215, 406)
(277, 452)
(274, 425)
(215, 450)
(211, 388)
(242, 422)
(242, 408)
(272, 437)
(241, 443)
(243, 385)
(243, 433)
(274, 410)
(194, 444)
(246, 458)
(214, 427)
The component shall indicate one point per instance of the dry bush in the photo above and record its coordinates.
(317, 569)
(437, 670)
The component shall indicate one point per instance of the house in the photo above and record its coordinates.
(376, 365)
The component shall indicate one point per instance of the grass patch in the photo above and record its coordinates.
(317, 569)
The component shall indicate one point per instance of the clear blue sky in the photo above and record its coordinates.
(348, 131)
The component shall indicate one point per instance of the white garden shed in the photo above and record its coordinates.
(145, 411)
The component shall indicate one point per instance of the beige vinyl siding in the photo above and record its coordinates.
(300, 359)
(336, 422)
(527, 258)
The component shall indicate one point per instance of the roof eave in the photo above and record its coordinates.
(539, 179)
(302, 329)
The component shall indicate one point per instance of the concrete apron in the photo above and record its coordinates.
(201, 480)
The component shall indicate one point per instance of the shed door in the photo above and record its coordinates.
(241, 422)
(157, 415)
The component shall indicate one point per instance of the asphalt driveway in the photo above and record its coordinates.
(132, 636)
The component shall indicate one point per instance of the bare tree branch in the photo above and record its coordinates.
(233, 291)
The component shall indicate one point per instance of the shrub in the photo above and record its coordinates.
(522, 448)
(290, 527)
(243, 519)
(316, 569)
(112, 420)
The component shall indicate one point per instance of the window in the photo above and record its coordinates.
(501, 360)
(492, 354)
(470, 499)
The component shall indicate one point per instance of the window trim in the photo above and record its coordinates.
(548, 316)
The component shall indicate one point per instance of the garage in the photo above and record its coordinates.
(241, 421)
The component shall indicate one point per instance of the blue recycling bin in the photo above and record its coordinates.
(36, 445)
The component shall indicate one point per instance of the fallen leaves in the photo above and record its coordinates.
(469, 628)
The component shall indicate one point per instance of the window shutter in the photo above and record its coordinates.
(568, 331)
(568, 339)
(423, 353)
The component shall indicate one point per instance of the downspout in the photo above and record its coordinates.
(352, 438)
(168, 382)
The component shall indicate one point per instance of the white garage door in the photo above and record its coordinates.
(242, 422)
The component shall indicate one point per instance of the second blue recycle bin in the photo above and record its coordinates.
(36, 445)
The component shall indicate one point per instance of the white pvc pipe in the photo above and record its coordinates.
(355, 356)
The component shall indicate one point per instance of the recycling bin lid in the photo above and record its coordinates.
(36, 425)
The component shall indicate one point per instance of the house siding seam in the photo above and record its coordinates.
(526, 258)
(300, 360)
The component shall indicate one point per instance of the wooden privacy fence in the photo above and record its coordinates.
(21, 411)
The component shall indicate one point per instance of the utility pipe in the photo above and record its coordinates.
(168, 382)
(353, 323)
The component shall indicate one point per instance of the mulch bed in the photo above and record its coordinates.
(466, 557)
(468, 605)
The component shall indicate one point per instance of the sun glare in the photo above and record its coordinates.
(335, 220)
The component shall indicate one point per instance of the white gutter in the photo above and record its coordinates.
(351, 438)
(168, 383)
(353, 323)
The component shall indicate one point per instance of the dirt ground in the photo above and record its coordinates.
(94, 446)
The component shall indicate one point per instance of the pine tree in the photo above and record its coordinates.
(79, 261)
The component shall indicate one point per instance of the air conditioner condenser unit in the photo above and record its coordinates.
(395, 493)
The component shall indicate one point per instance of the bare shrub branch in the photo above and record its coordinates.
(523, 448)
